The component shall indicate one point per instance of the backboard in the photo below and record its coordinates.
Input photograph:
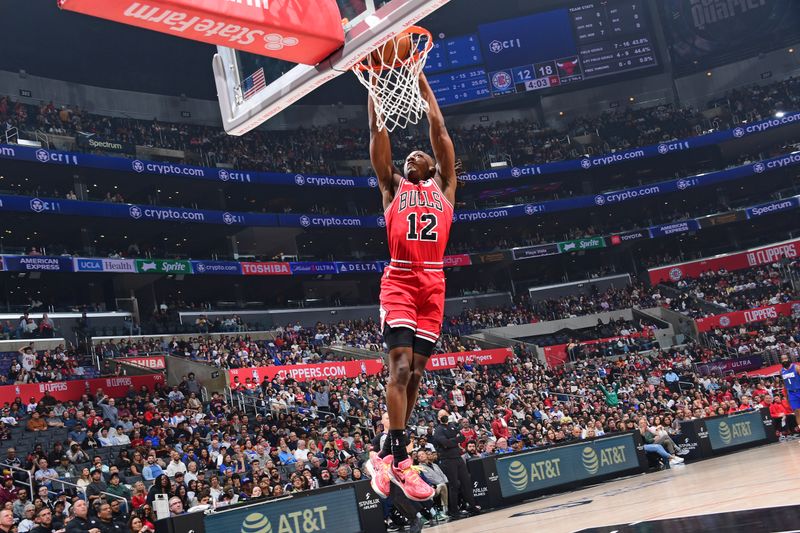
(249, 96)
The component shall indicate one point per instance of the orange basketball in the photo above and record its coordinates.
(385, 55)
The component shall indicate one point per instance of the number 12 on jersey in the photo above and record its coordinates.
(427, 221)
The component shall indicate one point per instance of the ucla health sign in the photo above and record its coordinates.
(528, 472)
(733, 430)
(104, 265)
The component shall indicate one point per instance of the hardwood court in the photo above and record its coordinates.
(767, 476)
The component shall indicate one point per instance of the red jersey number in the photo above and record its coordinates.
(427, 222)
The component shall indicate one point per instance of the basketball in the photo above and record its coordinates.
(385, 55)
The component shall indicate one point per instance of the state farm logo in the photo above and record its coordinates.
(305, 221)
(300, 180)
(758, 168)
(738, 132)
(42, 155)
(381, 222)
(372, 182)
(586, 163)
(138, 166)
(37, 205)
(675, 274)
(495, 47)
(135, 212)
(663, 149)
(516, 172)
(600, 199)
(724, 321)
(276, 41)
(223, 175)
(228, 219)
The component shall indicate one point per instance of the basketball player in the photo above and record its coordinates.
(791, 380)
(418, 207)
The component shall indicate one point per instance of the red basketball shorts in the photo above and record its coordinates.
(413, 299)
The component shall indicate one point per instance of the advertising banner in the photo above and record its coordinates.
(674, 228)
(349, 267)
(37, 263)
(334, 511)
(740, 364)
(321, 371)
(95, 142)
(531, 252)
(63, 391)
(737, 318)
(219, 268)
(770, 208)
(313, 268)
(163, 266)
(97, 264)
(330, 221)
(529, 472)
(446, 361)
(457, 260)
(152, 362)
(592, 243)
(630, 236)
(732, 261)
(251, 268)
(734, 430)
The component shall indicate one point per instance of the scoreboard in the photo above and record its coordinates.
(581, 42)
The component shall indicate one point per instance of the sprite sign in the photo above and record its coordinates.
(163, 266)
(591, 243)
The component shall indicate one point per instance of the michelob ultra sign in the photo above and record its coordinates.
(333, 512)
(734, 430)
(540, 469)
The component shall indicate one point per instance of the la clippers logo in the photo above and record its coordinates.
(300, 180)
(276, 41)
(738, 132)
(223, 175)
(501, 80)
(372, 182)
(37, 205)
(43, 155)
(228, 218)
(600, 199)
(586, 163)
(135, 212)
(305, 221)
(758, 168)
(675, 274)
(663, 149)
(138, 166)
(381, 222)
(724, 321)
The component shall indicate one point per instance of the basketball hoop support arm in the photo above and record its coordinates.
(362, 39)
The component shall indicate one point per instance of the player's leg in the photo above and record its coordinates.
(417, 371)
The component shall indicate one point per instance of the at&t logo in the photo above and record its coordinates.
(502, 80)
(590, 460)
(223, 175)
(135, 212)
(738, 132)
(138, 166)
(758, 168)
(305, 221)
(37, 205)
(600, 199)
(372, 182)
(299, 179)
(586, 163)
(725, 432)
(518, 476)
(42, 155)
(256, 523)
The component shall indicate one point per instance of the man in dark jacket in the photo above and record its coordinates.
(80, 518)
(446, 439)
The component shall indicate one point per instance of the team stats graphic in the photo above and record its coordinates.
(551, 49)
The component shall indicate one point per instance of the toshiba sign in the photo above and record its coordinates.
(266, 269)
(155, 362)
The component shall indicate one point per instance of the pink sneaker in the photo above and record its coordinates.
(379, 476)
(406, 476)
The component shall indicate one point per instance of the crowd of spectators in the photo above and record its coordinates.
(315, 149)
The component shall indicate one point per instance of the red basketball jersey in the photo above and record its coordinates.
(418, 223)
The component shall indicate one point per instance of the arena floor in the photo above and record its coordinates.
(763, 478)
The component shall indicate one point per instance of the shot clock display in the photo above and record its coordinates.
(581, 42)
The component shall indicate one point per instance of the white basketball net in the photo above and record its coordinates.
(394, 85)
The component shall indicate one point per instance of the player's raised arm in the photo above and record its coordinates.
(380, 154)
(441, 142)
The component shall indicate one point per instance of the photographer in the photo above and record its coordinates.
(446, 439)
